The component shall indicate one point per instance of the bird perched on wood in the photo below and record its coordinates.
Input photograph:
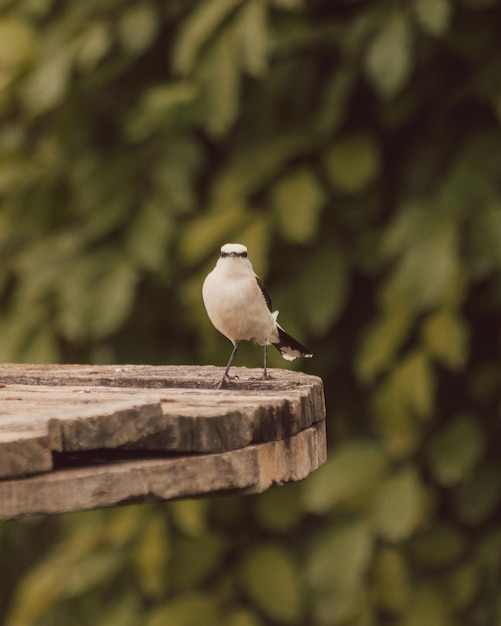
(240, 308)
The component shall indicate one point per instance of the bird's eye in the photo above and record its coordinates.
(223, 254)
(244, 254)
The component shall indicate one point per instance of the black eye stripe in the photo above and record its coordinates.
(240, 254)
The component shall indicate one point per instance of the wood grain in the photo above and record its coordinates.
(261, 429)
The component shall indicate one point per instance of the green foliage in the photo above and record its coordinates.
(355, 149)
(271, 579)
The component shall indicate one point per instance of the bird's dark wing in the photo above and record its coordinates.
(266, 295)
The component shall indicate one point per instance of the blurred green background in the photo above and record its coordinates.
(355, 148)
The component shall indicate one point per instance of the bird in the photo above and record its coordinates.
(240, 308)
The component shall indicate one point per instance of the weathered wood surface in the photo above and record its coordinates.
(144, 432)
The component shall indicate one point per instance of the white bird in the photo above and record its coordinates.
(239, 306)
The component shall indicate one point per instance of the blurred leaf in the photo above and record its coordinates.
(424, 239)
(392, 579)
(336, 568)
(247, 171)
(195, 559)
(189, 609)
(384, 336)
(454, 452)
(400, 505)
(486, 230)
(279, 510)
(254, 36)
(477, 498)
(162, 106)
(399, 428)
(204, 237)
(123, 611)
(438, 546)
(433, 15)
(17, 48)
(151, 555)
(96, 295)
(462, 586)
(410, 387)
(323, 283)
(271, 579)
(149, 236)
(242, 617)
(190, 516)
(427, 607)
(349, 477)
(137, 27)
(47, 84)
(94, 45)
(298, 200)
(352, 163)
(446, 338)
(218, 82)
(198, 29)
(389, 58)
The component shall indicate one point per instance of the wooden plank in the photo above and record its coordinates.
(78, 437)
(248, 470)
(66, 408)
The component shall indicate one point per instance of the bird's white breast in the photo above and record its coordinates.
(235, 303)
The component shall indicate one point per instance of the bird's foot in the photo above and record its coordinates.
(266, 376)
(224, 379)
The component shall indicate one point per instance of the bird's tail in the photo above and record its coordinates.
(289, 348)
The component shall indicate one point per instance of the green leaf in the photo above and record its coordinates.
(254, 37)
(479, 496)
(204, 237)
(323, 284)
(197, 29)
(280, 510)
(424, 240)
(218, 81)
(453, 453)
(438, 546)
(163, 106)
(298, 200)
(148, 237)
(151, 555)
(352, 163)
(47, 84)
(242, 617)
(462, 586)
(405, 398)
(336, 568)
(195, 559)
(434, 16)
(445, 337)
(348, 478)
(393, 584)
(17, 48)
(93, 45)
(95, 296)
(400, 505)
(416, 383)
(190, 516)
(384, 336)
(428, 607)
(399, 429)
(188, 609)
(389, 58)
(137, 27)
(271, 579)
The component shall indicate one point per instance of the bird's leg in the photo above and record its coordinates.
(232, 356)
(265, 376)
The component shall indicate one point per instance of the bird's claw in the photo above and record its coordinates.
(224, 379)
